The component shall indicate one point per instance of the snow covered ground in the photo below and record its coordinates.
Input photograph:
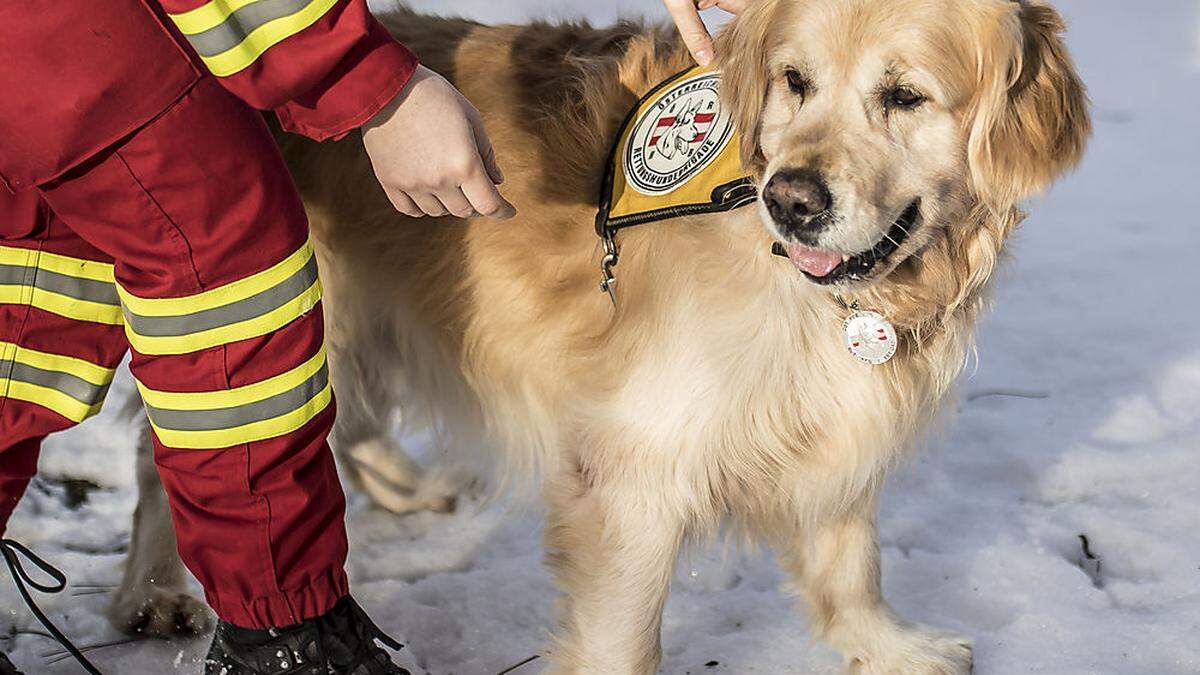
(1082, 418)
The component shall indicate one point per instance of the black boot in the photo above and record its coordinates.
(7, 667)
(339, 642)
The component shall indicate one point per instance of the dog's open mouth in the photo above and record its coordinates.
(828, 267)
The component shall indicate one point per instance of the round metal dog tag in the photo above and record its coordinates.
(869, 337)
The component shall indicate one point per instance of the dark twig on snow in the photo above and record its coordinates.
(515, 666)
(89, 591)
(1014, 393)
(61, 654)
(1090, 563)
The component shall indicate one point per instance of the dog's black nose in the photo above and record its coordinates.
(796, 196)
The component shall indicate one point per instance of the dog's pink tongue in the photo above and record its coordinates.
(813, 260)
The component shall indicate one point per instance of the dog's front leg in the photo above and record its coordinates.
(835, 566)
(612, 551)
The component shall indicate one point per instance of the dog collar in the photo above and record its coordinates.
(677, 154)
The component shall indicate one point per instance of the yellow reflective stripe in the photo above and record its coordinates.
(207, 16)
(50, 369)
(222, 295)
(219, 419)
(50, 398)
(84, 370)
(251, 328)
(52, 292)
(264, 37)
(71, 308)
(16, 295)
(17, 256)
(249, 433)
(73, 267)
(247, 308)
(233, 397)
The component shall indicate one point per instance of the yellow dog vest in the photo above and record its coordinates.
(677, 154)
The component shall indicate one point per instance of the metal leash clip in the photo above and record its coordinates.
(608, 280)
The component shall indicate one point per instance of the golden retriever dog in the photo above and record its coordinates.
(891, 141)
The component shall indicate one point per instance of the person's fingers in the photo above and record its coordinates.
(483, 143)
(456, 203)
(486, 199)
(479, 186)
(731, 6)
(491, 165)
(691, 28)
(404, 204)
(430, 204)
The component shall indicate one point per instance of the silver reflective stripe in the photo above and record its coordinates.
(248, 413)
(233, 30)
(235, 312)
(15, 275)
(76, 387)
(72, 287)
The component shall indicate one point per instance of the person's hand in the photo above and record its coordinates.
(432, 155)
(686, 14)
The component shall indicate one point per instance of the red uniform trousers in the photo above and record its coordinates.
(196, 219)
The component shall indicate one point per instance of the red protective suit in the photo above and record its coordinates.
(147, 208)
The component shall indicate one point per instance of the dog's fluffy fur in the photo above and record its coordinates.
(718, 390)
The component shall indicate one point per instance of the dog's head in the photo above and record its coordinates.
(873, 126)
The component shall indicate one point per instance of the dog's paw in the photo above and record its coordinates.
(429, 495)
(918, 651)
(438, 491)
(159, 612)
(394, 482)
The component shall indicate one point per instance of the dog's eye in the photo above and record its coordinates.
(797, 83)
(904, 98)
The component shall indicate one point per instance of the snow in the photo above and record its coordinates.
(1083, 417)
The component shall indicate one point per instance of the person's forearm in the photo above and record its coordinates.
(325, 66)
(329, 67)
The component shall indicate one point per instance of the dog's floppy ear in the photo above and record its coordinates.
(1031, 117)
(742, 49)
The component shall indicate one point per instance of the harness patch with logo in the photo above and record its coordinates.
(677, 154)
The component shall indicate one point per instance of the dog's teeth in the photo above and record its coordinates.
(845, 257)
